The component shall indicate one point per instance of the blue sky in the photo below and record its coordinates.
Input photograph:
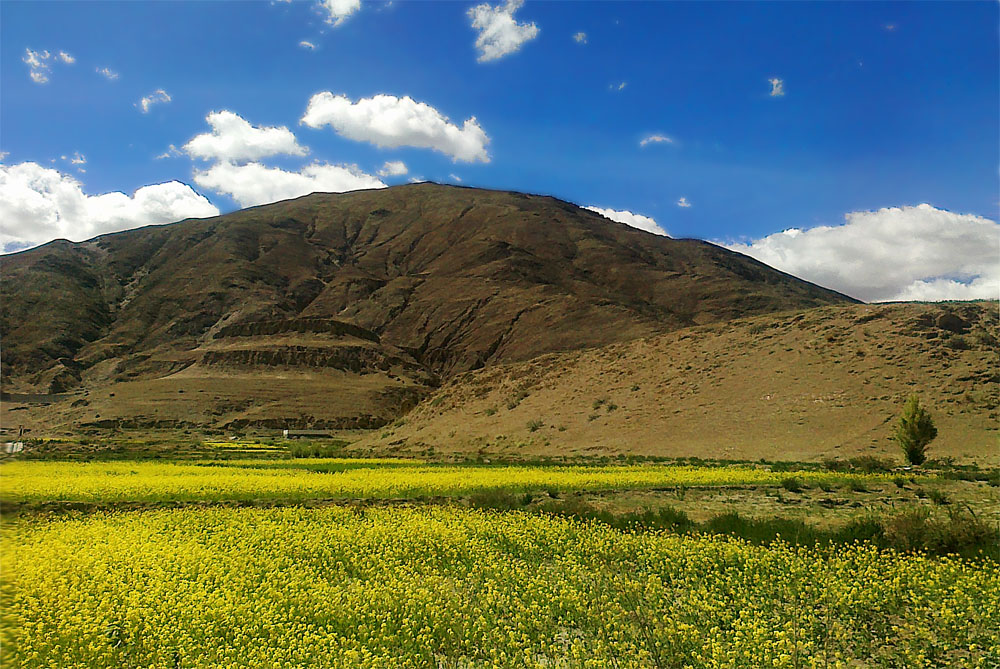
(884, 106)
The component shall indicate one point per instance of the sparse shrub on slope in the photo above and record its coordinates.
(914, 431)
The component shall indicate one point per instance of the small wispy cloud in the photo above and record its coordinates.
(78, 159)
(499, 32)
(656, 139)
(455, 177)
(393, 168)
(683, 203)
(306, 44)
(159, 96)
(580, 37)
(777, 87)
(618, 87)
(66, 58)
(171, 152)
(38, 65)
(107, 73)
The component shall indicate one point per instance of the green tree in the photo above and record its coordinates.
(914, 431)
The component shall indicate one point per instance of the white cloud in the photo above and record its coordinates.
(618, 87)
(306, 44)
(66, 58)
(580, 38)
(394, 168)
(628, 218)
(78, 158)
(683, 203)
(337, 11)
(254, 184)
(455, 178)
(171, 152)
(905, 253)
(388, 121)
(4, 154)
(656, 139)
(38, 65)
(777, 87)
(499, 33)
(39, 204)
(107, 73)
(156, 97)
(234, 139)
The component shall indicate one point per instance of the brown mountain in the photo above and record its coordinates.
(345, 309)
(821, 383)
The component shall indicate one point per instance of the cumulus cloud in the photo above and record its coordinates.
(777, 87)
(336, 12)
(107, 73)
(656, 139)
(306, 44)
(78, 158)
(580, 38)
(254, 184)
(899, 253)
(388, 122)
(628, 218)
(499, 32)
(66, 58)
(683, 203)
(233, 138)
(158, 96)
(39, 204)
(394, 168)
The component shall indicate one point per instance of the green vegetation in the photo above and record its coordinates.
(915, 431)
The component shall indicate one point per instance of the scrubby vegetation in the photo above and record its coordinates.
(915, 431)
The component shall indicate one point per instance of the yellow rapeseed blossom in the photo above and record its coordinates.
(293, 480)
(407, 587)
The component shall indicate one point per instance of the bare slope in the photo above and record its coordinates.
(826, 382)
(253, 310)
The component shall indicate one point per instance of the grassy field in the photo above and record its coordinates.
(449, 587)
(640, 565)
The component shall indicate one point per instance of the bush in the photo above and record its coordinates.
(939, 497)
(962, 533)
(915, 431)
(534, 425)
(791, 484)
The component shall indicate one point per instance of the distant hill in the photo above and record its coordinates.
(823, 383)
(346, 309)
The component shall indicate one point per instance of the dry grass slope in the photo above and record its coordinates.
(822, 383)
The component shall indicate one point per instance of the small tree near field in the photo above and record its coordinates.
(914, 431)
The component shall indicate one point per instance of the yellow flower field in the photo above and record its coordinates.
(447, 587)
(297, 480)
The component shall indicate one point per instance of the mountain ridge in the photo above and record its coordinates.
(446, 280)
